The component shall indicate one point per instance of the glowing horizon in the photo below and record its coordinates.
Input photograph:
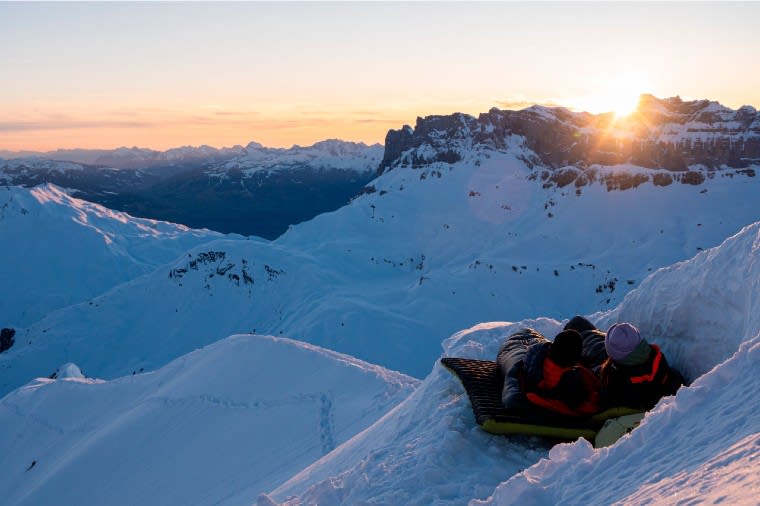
(162, 75)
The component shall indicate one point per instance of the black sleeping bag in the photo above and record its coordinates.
(523, 350)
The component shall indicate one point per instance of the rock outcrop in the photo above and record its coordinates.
(669, 134)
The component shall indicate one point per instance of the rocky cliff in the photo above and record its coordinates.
(669, 134)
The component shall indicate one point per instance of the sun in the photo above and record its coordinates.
(618, 95)
(624, 103)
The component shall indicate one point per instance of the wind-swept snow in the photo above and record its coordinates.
(217, 426)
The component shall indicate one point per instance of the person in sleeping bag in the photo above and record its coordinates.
(636, 373)
(548, 375)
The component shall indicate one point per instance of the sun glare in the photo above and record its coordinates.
(619, 96)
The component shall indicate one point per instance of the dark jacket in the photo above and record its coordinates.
(638, 387)
(531, 378)
(594, 354)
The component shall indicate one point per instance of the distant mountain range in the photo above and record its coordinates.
(249, 190)
(134, 158)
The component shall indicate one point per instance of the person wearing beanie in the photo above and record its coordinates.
(547, 374)
(636, 373)
(624, 345)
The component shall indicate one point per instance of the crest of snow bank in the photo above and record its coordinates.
(702, 445)
(429, 449)
(216, 426)
(700, 310)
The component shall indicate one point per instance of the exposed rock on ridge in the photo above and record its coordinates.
(669, 134)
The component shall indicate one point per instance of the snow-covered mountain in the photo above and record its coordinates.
(251, 191)
(58, 251)
(217, 426)
(430, 248)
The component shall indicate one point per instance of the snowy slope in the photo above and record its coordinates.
(387, 277)
(58, 250)
(700, 446)
(217, 426)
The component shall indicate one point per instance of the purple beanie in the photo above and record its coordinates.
(621, 340)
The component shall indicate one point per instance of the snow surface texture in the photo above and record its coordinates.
(58, 250)
(700, 446)
(387, 277)
(217, 426)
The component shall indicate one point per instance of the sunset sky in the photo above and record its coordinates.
(161, 75)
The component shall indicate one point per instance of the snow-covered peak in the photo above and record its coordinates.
(675, 106)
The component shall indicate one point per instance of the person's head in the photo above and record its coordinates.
(567, 348)
(625, 345)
